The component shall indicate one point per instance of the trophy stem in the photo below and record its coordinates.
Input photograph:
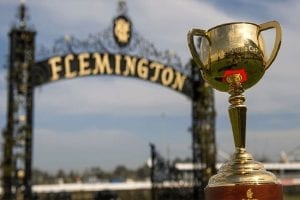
(241, 169)
(237, 110)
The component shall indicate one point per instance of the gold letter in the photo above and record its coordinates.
(179, 81)
(101, 65)
(55, 67)
(117, 64)
(142, 68)
(68, 72)
(130, 66)
(157, 67)
(84, 64)
(167, 76)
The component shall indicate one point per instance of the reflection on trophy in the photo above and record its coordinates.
(232, 58)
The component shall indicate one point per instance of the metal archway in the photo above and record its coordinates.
(94, 56)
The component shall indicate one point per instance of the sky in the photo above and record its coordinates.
(105, 121)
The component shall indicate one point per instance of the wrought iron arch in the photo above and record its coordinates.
(98, 54)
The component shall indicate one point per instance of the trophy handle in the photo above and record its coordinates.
(191, 34)
(270, 25)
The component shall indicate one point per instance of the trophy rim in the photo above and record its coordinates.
(231, 23)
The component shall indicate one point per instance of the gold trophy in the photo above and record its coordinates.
(232, 58)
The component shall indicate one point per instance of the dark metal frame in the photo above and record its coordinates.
(17, 150)
(203, 132)
(18, 134)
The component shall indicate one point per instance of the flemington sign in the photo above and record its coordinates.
(119, 51)
(86, 64)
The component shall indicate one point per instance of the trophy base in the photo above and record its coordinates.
(245, 192)
(242, 178)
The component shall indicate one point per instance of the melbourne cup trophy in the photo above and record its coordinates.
(232, 58)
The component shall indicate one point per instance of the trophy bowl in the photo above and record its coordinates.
(233, 48)
(232, 58)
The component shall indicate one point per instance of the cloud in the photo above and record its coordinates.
(85, 148)
(290, 18)
(95, 147)
(178, 17)
(110, 96)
